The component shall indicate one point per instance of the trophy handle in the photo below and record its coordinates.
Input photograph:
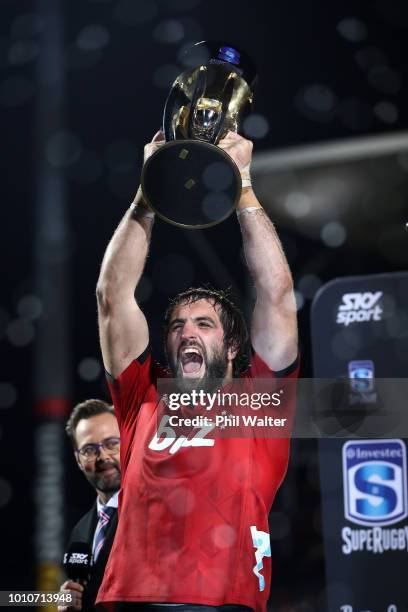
(199, 90)
(172, 104)
(226, 98)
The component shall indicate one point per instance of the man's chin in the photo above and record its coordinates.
(187, 384)
(108, 482)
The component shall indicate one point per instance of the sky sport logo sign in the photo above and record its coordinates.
(375, 495)
(359, 308)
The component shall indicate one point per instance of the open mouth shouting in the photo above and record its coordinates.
(191, 361)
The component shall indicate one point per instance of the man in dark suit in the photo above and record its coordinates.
(94, 433)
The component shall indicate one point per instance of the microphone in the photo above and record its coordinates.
(77, 562)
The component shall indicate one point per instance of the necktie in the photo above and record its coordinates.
(105, 515)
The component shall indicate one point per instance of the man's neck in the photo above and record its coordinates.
(104, 496)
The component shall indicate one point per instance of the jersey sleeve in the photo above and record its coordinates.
(129, 389)
(259, 369)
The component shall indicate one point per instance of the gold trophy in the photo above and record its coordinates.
(189, 181)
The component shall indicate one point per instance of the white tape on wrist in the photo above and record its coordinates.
(246, 177)
(248, 210)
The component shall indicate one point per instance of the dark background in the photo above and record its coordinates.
(326, 71)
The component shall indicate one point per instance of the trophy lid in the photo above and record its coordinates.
(218, 53)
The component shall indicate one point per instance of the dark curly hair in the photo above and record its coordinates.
(232, 320)
(85, 410)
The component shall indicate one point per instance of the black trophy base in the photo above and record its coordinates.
(191, 184)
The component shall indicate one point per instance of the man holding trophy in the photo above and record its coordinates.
(193, 526)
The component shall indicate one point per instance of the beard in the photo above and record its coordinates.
(215, 371)
(100, 480)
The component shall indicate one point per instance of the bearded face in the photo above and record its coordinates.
(196, 350)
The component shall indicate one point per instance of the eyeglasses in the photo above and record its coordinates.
(91, 451)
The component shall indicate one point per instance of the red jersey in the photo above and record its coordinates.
(193, 524)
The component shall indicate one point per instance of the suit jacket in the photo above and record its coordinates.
(84, 531)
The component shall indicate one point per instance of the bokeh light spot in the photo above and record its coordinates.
(333, 234)
(93, 37)
(20, 332)
(256, 126)
(8, 395)
(89, 369)
(63, 149)
(29, 307)
(352, 29)
(170, 31)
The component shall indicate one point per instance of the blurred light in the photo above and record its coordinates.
(29, 307)
(63, 149)
(165, 75)
(352, 29)
(130, 13)
(355, 114)
(22, 52)
(87, 169)
(316, 102)
(182, 5)
(333, 234)
(255, 126)
(20, 332)
(298, 204)
(93, 37)
(15, 91)
(181, 501)
(121, 155)
(6, 492)
(215, 205)
(223, 536)
(170, 31)
(217, 176)
(89, 369)
(173, 273)
(385, 80)
(8, 395)
(191, 56)
(79, 59)
(300, 300)
(144, 290)
(309, 285)
(27, 24)
(370, 57)
(386, 111)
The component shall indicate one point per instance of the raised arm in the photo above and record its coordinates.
(274, 323)
(123, 330)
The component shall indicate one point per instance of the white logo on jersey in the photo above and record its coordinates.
(262, 543)
(359, 307)
(173, 443)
